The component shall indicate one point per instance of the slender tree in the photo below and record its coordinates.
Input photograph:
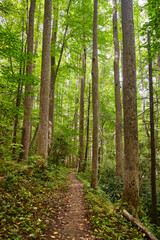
(44, 91)
(75, 158)
(87, 137)
(131, 179)
(54, 68)
(119, 145)
(95, 100)
(28, 87)
(152, 141)
(81, 122)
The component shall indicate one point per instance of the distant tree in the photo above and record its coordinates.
(54, 67)
(119, 145)
(87, 137)
(81, 121)
(44, 91)
(152, 141)
(28, 87)
(53, 70)
(95, 100)
(131, 162)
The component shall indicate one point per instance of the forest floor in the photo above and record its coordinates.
(71, 220)
(53, 204)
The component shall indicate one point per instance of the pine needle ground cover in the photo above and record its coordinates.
(28, 200)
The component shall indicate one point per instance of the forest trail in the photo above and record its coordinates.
(71, 220)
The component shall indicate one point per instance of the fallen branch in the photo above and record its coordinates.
(139, 224)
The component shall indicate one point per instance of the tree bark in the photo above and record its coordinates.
(153, 155)
(131, 162)
(119, 145)
(81, 123)
(18, 100)
(75, 158)
(44, 91)
(87, 138)
(95, 100)
(144, 102)
(28, 88)
(53, 72)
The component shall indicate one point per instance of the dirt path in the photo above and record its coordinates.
(71, 221)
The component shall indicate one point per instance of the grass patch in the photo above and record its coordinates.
(28, 200)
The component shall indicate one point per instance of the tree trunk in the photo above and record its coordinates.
(87, 138)
(119, 145)
(18, 102)
(53, 71)
(153, 155)
(131, 162)
(44, 91)
(28, 87)
(75, 158)
(95, 100)
(81, 123)
(144, 102)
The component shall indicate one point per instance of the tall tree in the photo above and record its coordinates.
(54, 68)
(44, 91)
(75, 159)
(28, 87)
(87, 137)
(81, 122)
(119, 145)
(152, 141)
(19, 93)
(131, 162)
(95, 100)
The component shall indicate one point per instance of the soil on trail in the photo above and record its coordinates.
(71, 219)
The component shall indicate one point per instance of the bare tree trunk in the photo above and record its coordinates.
(144, 102)
(158, 113)
(18, 100)
(34, 137)
(34, 63)
(119, 145)
(53, 71)
(75, 159)
(81, 124)
(87, 138)
(95, 100)
(44, 92)
(153, 155)
(28, 87)
(131, 161)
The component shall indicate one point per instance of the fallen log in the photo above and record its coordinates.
(139, 224)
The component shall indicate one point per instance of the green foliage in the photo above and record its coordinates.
(61, 147)
(111, 184)
(28, 200)
(108, 221)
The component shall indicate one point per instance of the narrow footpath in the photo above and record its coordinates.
(71, 220)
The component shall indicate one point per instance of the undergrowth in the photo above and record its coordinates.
(28, 199)
(107, 220)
